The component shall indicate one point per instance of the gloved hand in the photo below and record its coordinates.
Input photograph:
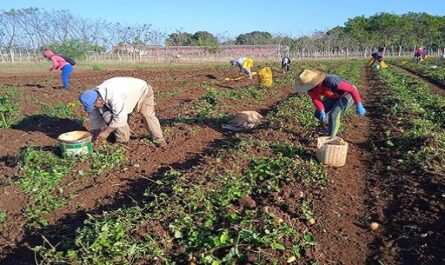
(322, 116)
(360, 110)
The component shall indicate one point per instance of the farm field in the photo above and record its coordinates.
(431, 69)
(218, 197)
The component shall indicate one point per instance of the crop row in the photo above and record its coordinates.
(431, 68)
(419, 131)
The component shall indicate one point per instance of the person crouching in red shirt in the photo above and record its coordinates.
(331, 96)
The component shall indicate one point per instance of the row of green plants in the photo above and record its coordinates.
(420, 128)
(42, 172)
(211, 104)
(48, 112)
(9, 110)
(8, 107)
(431, 68)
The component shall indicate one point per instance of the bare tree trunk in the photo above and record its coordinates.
(11, 53)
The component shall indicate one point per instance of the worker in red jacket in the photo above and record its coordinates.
(331, 95)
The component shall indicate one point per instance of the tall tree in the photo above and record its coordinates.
(204, 38)
(254, 38)
(179, 39)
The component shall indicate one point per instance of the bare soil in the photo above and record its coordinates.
(409, 207)
(374, 187)
(187, 141)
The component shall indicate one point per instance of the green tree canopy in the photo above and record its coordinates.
(204, 38)
(74, 48)
(255, 38)
(179, 39)
(200, 38)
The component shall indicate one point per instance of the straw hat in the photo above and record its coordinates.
(308, 79)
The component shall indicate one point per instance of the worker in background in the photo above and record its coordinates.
(60, 63)
(285, 64)
(419, 55)
(331, 95)
(110, 103)
(244, 65)
(376, 59)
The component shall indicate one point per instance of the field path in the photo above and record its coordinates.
(343, 220)
(374, 187)
(407, 203)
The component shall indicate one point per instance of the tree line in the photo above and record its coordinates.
(32, 29)
(397, 32)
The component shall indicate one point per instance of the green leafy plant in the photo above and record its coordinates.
(96, 67)
(107, 157)
(42, 172)
(8, 110)
(59, 110)
(2, 217)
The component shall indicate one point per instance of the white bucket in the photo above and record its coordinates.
(332, 150)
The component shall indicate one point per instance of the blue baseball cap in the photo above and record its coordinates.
(88, 99)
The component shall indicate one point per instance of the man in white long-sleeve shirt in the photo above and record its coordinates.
(110, 103)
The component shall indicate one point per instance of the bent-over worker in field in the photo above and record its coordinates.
(59, 63)
(285, 64)
(244, 65)
(376, 58)
(331, 96)
(419, 54)
(110, 103)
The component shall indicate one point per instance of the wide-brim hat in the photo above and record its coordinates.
(308, 79)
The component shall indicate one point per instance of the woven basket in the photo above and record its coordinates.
(332, 150)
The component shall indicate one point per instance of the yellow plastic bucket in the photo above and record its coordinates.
(265, 77)
(75, 143)
(383, 65)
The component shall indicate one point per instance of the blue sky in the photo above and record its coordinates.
(232, 17)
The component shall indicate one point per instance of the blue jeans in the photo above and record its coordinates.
(66, 72)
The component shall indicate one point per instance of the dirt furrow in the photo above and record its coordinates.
(408, 203)
(343, 233)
